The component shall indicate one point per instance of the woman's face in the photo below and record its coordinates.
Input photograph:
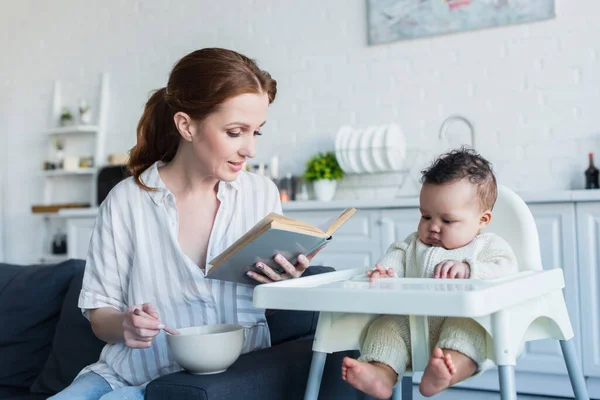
(222, 142)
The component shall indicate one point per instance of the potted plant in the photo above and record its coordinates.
(324, 172)
(85, 114)
(66, 117)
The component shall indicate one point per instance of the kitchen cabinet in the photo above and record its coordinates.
(355, 244)
(397, 224)
(79, 233)
(588, 238)
(556, 228)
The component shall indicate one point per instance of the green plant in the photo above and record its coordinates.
(83, 107)
(65, 116)
(323, 166)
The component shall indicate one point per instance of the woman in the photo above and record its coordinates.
(187, 201)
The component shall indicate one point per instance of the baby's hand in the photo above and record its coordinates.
(380, 272)
(452, 269)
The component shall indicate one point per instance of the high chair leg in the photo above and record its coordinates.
(574, 368)
(397, 393)
(407, 388)
(504, 354)
(508, 388)
(314, 376)
(404, 389)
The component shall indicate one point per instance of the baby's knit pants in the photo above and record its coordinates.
(388, 340)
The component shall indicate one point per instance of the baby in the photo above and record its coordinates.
(458, 194)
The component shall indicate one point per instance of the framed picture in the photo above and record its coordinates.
(392, 20)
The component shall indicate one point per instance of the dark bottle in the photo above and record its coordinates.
(59, 244)
(591, 175)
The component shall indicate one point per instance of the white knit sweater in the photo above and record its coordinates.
(488, 255)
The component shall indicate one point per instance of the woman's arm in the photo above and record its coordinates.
(107, 262)
(103, 297)
(134, 328)
(107, 324)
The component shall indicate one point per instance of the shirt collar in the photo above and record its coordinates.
(235, 184)
(151, 178)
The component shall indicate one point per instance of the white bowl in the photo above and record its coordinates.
(207, 349)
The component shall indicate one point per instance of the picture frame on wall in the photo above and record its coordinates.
(394, 20)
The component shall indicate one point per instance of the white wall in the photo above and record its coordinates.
(3, 159)
(532, 91)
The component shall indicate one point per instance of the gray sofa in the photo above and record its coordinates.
(45, 341)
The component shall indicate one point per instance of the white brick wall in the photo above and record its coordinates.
(531, 90)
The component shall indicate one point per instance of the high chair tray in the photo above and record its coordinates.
(350, 291)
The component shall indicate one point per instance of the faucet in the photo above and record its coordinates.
(453, 118)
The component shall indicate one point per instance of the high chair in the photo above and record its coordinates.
(513, 310)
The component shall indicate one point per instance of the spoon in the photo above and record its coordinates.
(164, 327)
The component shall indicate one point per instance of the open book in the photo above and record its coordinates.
(274, 234)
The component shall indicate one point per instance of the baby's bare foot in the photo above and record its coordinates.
(438, 373)
(375, 379)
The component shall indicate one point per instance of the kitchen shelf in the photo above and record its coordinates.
(69, 188)
(65, 172)
(74, 130)
(53, 209)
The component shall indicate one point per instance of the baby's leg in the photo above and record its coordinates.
(456, 357)
(385, 354)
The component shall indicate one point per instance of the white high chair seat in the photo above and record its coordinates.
(513, 310)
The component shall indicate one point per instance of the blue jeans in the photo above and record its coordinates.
(91, 386)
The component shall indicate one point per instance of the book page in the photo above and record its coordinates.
(294, 225)
(337, 222)
(323, 227)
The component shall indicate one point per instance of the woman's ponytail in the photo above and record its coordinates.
(157, 138)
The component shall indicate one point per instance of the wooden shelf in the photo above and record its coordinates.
(64, 172)
(52, 209)
(74, 130)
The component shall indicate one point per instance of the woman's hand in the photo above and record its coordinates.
(139, 329)
(267, 274)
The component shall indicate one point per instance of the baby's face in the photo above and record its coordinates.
(451, 214)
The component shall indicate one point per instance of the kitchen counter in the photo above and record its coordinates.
(565, 196)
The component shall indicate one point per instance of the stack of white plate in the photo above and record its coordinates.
(370, 150)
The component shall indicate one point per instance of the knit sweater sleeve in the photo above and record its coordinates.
(395, 256)
(494, 258)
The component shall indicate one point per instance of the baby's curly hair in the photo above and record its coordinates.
(461, 163)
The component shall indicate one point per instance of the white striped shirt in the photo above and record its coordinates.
(134, 258)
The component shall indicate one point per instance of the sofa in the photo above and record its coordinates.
(45, 341)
